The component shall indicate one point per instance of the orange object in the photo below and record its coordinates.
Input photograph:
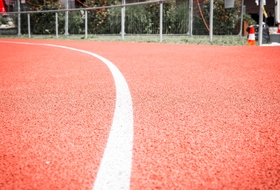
(251, 38)
(2, 7)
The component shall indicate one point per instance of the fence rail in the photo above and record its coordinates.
(122, 6)
(156, 17)
(90, 8)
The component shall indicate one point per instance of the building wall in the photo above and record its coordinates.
(71, 3)
(252, 8)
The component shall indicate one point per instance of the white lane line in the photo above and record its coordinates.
(115, 168)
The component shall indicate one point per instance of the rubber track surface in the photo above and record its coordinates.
(205, 117)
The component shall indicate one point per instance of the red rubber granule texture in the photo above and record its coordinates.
(205, 117)
(56, 107)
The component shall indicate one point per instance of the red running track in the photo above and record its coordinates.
(205, 117)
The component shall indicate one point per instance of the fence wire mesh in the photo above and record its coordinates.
(140, 21)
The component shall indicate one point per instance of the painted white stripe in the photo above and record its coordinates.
(115, 168)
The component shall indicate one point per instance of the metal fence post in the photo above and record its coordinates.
(190, 17)
(86, 24)
(160, 21)
(67, 10)
(241, 18)
(66, 19)
(211, 21)
(123, 19)
(260, 23)
(19, 27)
(28, 21)
(56, 24)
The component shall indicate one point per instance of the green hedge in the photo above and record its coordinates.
(142, 19)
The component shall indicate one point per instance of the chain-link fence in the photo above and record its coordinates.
(140, 18)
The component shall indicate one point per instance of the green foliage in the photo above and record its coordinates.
(137, 20)
(112, 23)
(1, 20)
(76, 22)
(225, 21)
(4, 19)
(170, 17)
(182, 13)
(142, 19)
(38, 3)
(145, 19)
(43, 23)
(97, 17)
(249, 19)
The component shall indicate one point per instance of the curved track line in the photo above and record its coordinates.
(115, 168)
